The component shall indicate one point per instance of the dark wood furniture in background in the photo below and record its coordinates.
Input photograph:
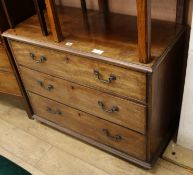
(8, 82)
(106, 83)
(17, 11)
(12, 12)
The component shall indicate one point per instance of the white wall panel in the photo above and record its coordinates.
(185, 134)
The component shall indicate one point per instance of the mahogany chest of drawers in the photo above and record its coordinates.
(126, 108)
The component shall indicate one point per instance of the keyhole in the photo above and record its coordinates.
(66, 59)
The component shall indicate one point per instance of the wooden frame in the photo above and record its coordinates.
(144, 30)
(9, 18)
(7, 21)
(103, 6)
(15, 12)
(54, 21)
(23, 96)
(180, 11)
(83, 5)
(39, 10)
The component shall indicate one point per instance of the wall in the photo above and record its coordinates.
(185, 133)
(129, 7)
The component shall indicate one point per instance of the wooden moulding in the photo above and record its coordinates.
(23, 94)
(180, 11)
(54, 21)
(144, 30)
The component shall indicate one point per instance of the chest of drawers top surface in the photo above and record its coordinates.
(119, 46)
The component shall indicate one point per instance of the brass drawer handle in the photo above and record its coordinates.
(115, 138)
(112, 110)
(48, 87)
(41, 60)
(99, 77)
(55, 112)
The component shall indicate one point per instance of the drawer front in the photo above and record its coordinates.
(8, 84)
(100, 130)
(108, 78)
(114, 109)
(4, 61)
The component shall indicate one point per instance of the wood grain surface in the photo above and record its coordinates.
(4, 61)
(129, 114)
(90, 126)
(53, 20)
(128, 83)
(118, 41)
(8, 84)
(144, 30)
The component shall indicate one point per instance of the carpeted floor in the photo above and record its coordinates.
(8, 167)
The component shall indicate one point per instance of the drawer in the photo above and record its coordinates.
(108, 78)
(8, 84)
(4, 61)
(111, 108)
(100, 130)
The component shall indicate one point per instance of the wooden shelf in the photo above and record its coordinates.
(115, 34)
